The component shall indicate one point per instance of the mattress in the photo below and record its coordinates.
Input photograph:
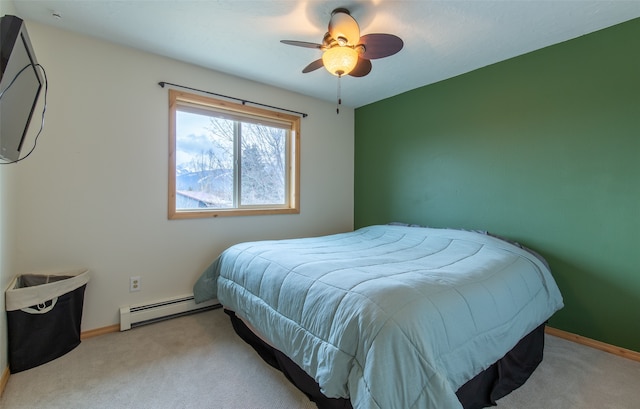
(483, 390)
(387, 316)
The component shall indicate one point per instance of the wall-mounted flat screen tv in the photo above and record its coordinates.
(20, 86)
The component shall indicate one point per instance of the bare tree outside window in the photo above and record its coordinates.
(263, 164)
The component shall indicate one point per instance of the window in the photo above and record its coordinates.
(228, 159)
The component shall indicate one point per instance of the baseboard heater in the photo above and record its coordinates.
(142, 314)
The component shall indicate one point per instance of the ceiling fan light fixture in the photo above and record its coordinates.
(344, 51)
(340, 61)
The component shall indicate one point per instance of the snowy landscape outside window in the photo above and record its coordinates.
(230, 159)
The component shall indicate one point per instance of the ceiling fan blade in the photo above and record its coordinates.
(363, 67)
(300, 43)
(313, 66)
(380, 45)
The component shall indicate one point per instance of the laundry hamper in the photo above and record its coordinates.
(44, 313)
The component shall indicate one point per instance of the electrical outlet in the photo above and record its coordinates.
(134, 284)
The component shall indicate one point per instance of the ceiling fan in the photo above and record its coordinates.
(344, 51)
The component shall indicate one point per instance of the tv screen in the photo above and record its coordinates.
(20, 85)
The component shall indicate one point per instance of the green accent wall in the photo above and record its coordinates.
(543, 148)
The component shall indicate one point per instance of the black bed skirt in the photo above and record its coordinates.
(482, 391)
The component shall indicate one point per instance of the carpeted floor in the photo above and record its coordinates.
(198, 362)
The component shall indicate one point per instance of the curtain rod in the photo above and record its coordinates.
(243, 101)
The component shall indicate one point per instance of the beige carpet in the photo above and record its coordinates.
(198, 362)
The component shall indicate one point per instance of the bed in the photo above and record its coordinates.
(391, 316)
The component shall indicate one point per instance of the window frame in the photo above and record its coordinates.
(253, 114)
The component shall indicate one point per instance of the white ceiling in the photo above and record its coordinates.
(442, 39)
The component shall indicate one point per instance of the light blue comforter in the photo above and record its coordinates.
(390, 316)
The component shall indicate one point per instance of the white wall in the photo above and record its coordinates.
(7, 249)
(7, 229)
(94, 192)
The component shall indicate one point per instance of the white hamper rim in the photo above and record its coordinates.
(19, 298)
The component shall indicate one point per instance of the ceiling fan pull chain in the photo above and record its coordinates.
(339, 99)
